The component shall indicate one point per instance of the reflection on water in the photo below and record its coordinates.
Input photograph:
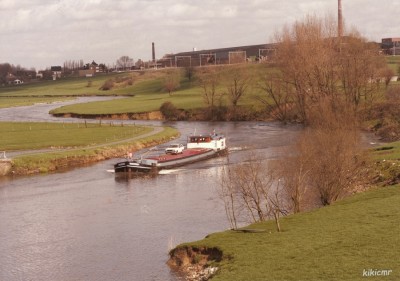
(86, 224)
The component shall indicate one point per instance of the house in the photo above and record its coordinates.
(10, 78)
(90, 69)
(56, 72)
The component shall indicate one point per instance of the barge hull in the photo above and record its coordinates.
(166, 162)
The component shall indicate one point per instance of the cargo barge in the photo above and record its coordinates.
(198, 147)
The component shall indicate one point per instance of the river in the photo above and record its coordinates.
(86, 224)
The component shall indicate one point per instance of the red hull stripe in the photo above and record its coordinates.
(186, 153)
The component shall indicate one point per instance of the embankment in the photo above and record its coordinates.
(200, 114)
(337, 242)
(5, 166)
(49, 161)
(153, 115)
(195, 263)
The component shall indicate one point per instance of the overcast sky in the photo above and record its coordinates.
(41, 33)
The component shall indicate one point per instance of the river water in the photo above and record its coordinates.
(86, 224)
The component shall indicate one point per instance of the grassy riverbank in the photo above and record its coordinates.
(337, 242)
(341, 242)
(55, 146)
(38, 135)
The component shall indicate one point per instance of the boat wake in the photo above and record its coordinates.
(239, 148)
(167, 172)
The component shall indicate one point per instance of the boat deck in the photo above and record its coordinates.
(186, 153)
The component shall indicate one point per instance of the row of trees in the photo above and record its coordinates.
(315, 65)
(325, 164)
(15, 71)
(215, 86)
(322, 81)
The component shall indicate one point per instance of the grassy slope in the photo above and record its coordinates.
(332, 243)
(150, 95)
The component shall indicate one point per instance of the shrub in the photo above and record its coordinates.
(393, 93)
(108, 85)
(169, 111)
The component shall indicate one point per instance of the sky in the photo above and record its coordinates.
(43, 33)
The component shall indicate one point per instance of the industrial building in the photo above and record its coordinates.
(391, 46)
(232, 55)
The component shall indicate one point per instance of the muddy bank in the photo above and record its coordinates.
(195, 264)
(180, 115)
(153, 115)
(5, 166)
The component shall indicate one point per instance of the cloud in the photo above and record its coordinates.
(104, 30)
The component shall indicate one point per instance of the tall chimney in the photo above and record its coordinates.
(153, 52)
(340, 19)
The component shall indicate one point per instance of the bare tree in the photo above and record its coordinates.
(189, 73)
(238, 84)
(358, 70)
(278, 96)
(317, 65)
(327, 158)
(209, 82)
(124, 62)
(250, 189)
(304, 56)
(171, 82)
(294, 173)
(227, 193)
(386, 74)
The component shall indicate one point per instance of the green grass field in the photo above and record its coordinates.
(337, 242)
(394, 63)
(24, 136)
(334, 243)
(54, 160)
(68, 145)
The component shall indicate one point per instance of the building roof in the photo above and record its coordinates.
(56, 68)
(251, 48)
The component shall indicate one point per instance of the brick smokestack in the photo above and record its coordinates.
(153, 52)
(340, 19)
